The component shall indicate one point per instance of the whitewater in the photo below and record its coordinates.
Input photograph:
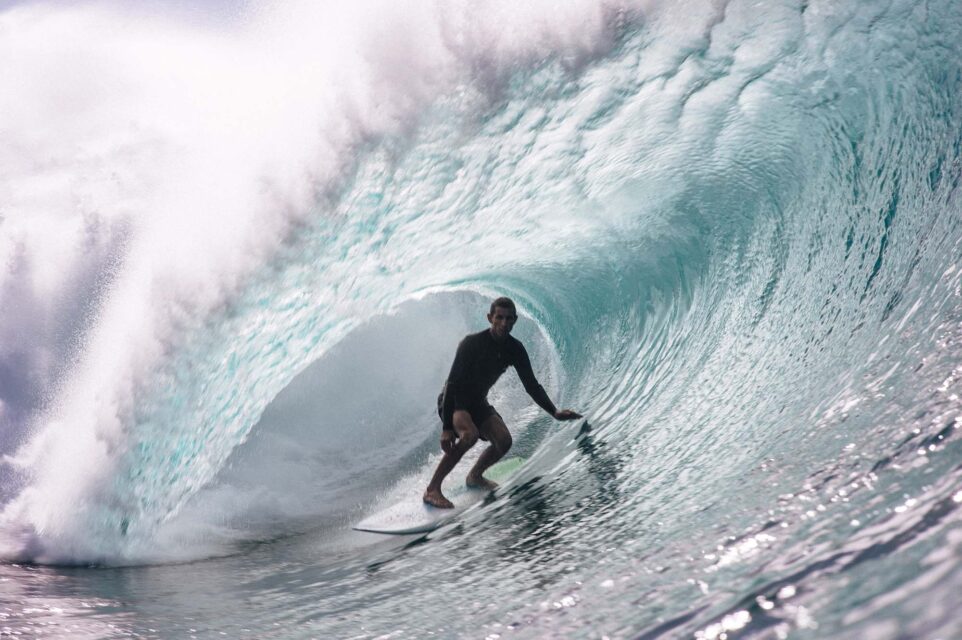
(239, 245)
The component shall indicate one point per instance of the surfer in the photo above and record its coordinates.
(463, 406)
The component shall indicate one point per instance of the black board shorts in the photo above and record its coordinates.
(479, 413)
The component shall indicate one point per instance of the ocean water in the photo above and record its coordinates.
(239, 245)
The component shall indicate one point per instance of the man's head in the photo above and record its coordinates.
(502, 317)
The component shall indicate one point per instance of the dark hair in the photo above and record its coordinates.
(504, 303)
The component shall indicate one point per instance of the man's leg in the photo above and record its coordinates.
(497, 433)
(467, 436)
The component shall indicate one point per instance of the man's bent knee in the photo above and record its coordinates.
(503, 443)
(465, 442)
(466, 430)
(496, 431)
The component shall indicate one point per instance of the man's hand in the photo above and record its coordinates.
(566, 414)
(448, 438)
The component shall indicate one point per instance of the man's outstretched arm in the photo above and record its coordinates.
(536, 391)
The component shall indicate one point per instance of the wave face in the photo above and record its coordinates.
(238, 260)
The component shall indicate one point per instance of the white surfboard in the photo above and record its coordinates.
(414, 516)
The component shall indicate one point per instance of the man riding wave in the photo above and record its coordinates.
(463, 406)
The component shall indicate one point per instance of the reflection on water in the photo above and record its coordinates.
(56, 603)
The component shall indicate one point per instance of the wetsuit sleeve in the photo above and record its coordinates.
(531, 384)
(455, 383)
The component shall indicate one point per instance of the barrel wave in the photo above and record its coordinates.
(733, 232)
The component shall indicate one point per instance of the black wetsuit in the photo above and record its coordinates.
(478, 363)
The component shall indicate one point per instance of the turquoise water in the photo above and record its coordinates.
(241, 251)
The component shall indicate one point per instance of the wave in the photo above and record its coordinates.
(729, 247)
(159, 175)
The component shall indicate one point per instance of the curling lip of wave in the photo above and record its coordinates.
(183, 161)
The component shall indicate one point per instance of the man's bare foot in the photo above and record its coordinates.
(480, 482)
(435, 499)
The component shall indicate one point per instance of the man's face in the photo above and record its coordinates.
(502, 321)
